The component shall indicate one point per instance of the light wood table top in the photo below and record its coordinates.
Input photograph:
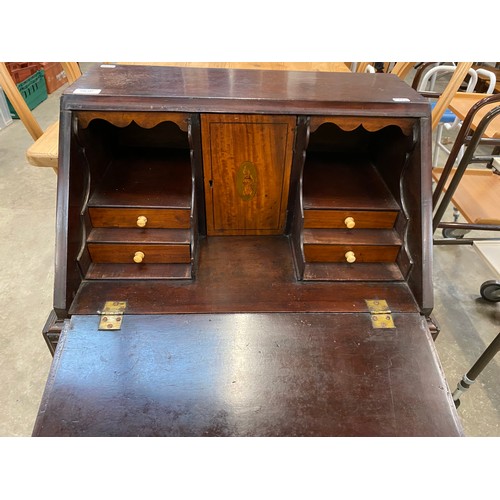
(338, 67)
(476, 196)
(463, 102)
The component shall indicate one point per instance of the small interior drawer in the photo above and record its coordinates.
(129, 217)
(151, 254)
(363, 219)
(361, 253)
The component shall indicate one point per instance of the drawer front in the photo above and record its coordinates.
(315, 219)
(151, 254)
(134, 217)
(360, 253)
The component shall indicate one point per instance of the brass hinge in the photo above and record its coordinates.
(111, 316)
(380, 314)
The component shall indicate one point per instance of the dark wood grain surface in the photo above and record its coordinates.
(247, 375)
(127, 88)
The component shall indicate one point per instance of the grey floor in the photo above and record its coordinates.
(27, 228)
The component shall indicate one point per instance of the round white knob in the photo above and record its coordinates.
(138, 257)
(350, 257)
(141, 221)
(349, 222)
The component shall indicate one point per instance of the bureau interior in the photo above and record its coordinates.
(355, 217)
(124, 172)
(386, 151)
(112, 150)
(139, 192)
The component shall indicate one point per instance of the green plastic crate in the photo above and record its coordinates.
(33, 90)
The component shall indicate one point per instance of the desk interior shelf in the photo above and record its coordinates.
(351, 226)
(139, 215)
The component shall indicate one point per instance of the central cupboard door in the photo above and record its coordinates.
(246, 162)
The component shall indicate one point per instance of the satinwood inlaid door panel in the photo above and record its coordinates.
(246, 162)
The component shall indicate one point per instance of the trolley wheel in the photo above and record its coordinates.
(490, 290)
(454, 233)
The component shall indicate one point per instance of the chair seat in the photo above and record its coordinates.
(44, 151)
(476, 196)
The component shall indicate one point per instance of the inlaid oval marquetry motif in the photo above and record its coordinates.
(246, 180)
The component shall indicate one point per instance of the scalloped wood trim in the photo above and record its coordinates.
(371, 124)
(143, 119)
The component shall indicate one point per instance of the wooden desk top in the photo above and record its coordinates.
(247, 375)
(463, 102)
(221, 90)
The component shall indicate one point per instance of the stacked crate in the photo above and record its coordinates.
(20, 71)
(35, 81)
(29, 79)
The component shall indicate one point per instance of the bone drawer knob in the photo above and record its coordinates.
(350, 257)
(138, 257)
(141, 221)
(349, 222)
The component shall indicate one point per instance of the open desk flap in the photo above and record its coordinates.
(247, 375)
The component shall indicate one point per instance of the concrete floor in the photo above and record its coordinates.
(27, 228)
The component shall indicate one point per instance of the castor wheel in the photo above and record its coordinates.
(490, 290)
(454, 233)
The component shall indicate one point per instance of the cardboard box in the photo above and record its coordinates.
(55, 76)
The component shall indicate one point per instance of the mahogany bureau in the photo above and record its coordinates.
(243, 253)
